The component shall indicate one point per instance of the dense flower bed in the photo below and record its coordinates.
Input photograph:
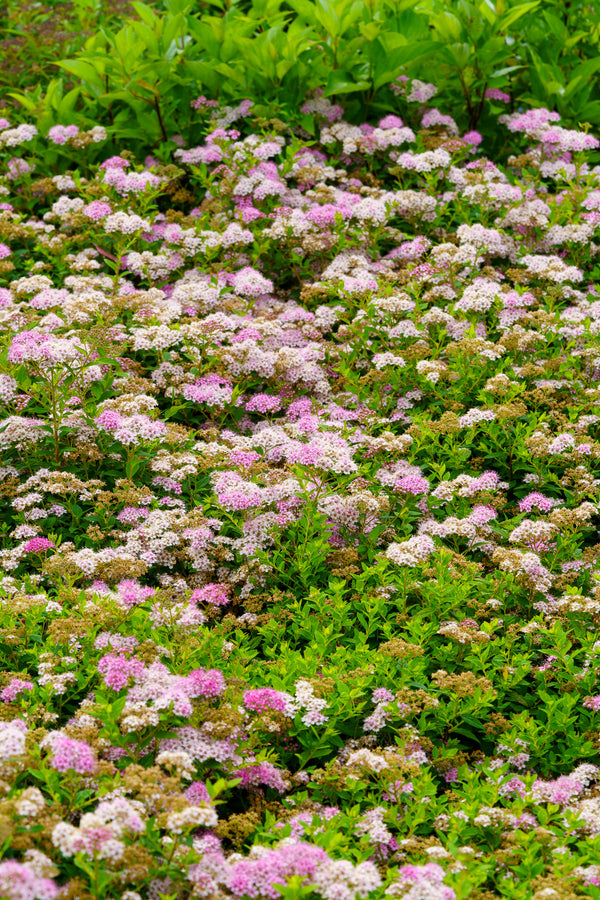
(299, 505)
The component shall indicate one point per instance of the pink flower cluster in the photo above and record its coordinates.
(71, 755)
(261, 699)
(216, 594)
(19, 882)
(14, 688)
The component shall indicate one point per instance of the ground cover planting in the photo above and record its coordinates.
(299, 564)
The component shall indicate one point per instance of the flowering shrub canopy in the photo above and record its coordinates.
(299, 498)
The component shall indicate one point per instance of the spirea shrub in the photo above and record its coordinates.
(300, 573)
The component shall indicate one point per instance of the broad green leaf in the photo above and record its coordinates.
(146, 13)
(517, 13)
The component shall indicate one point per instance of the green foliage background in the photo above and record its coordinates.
(135, 67)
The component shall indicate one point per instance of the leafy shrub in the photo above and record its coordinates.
(139, 77)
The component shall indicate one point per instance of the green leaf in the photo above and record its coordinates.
(145, 13)
(147, 36)
(517, 13)
(338, 83)
(91, 72)
(67, 104)
(488, 11)
(447, 26)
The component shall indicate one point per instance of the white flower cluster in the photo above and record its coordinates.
(308, 703)
(411, 552)
(551, 267)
